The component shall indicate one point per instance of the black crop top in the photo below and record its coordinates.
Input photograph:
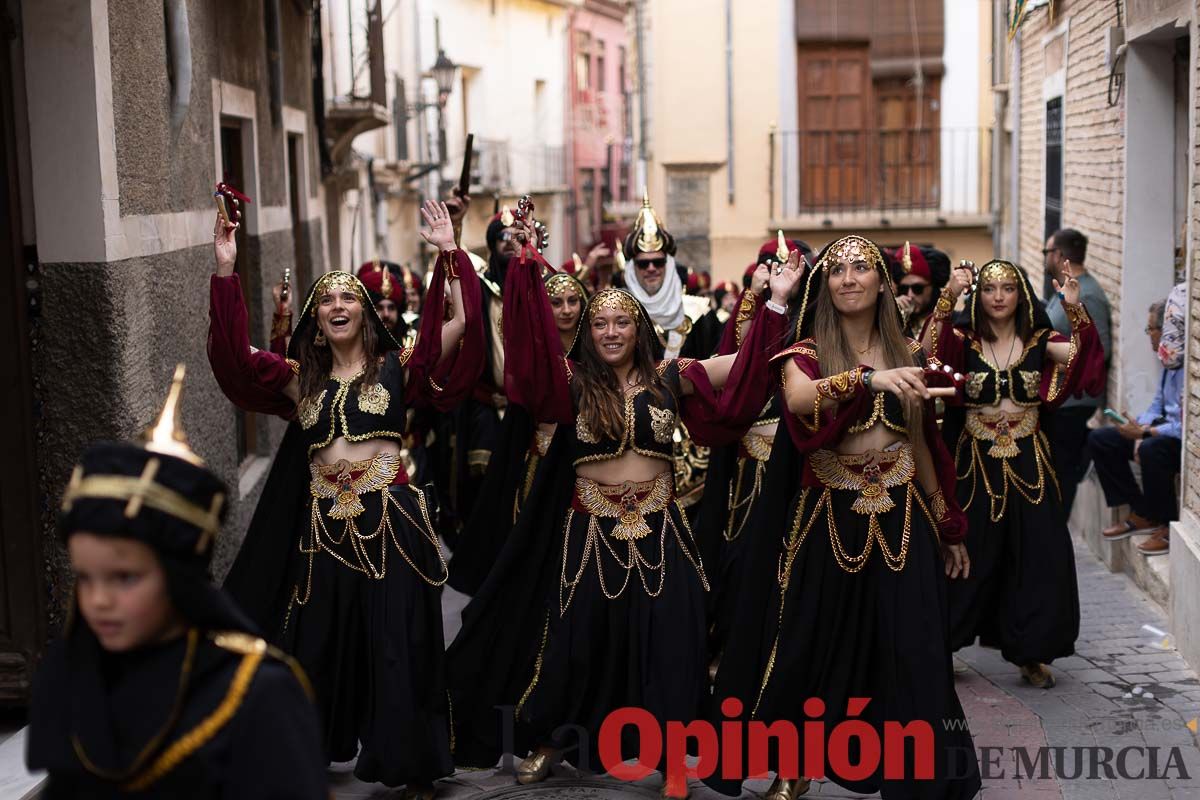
(649, 424)
(1020, 383)
(347, 409)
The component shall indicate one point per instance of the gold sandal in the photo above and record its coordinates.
(1038, 676)
(535, 768)
(787, 790)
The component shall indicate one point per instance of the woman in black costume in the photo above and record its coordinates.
(160, 686)
(597, 600)
(1022, 594)
(514, 465)
(341, 564)
(858, 605)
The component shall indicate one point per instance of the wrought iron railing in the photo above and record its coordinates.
(935, 173)
(504, 167)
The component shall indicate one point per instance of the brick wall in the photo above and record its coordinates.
(1093, 146)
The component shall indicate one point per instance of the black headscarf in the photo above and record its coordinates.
(308, 315)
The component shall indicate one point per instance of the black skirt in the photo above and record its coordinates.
(626, 627)
(880, 632)
(744, 491)
(365, 622)
(1022, 596)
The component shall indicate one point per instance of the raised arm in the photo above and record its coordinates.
(253, 379)
(1078, 361)
(939, 337)
(449, 354)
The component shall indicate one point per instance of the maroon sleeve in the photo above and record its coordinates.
(431, 381)
(252, 379)
(823, 427)
(281, 332)
(716, 418)
(952, 529)
(1084, 371)
(535, 370)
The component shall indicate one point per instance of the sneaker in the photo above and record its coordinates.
(1133, 525)
(1158, 544)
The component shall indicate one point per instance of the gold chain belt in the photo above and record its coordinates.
(628, 502)
(870, 474)
(345, 481)
(757, 446)
(1002, 429)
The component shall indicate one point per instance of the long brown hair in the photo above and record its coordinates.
(599, 396)
(316, 362)
(835, 352)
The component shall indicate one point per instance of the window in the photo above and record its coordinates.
(583, 61)
(1054, 181)
(295, 155)
(600, 79)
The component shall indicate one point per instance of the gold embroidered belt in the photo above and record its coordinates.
(871, 474)
(629, 503)
(756, 446)
(1002, 429)
(345, 481)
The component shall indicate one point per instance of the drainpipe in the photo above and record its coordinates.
(640, 43)
(179, 62)
(1014, 178)
(729, 174)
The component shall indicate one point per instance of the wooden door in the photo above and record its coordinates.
(907, 153)
(835, 108)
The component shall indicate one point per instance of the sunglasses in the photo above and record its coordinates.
(911, 288)
(1048, 250)
(650, 262)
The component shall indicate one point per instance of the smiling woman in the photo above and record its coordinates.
(601, 570)
(314, 569)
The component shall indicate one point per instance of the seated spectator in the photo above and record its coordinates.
(1153, 440)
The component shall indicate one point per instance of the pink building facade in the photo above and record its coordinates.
(599, 121)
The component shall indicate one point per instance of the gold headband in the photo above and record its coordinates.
(614, 300)
(851, 249)
(999, 271)
(561, 283)
(338, 282)
(649, 238)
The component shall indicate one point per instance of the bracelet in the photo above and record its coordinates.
(776, 307)
(945, 305)
(451, 265)
(1077, 315)
(937, 506)
(840, 387)
(866, 380)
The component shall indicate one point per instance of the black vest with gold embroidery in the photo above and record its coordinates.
(987, 386)
(347, 409)
(649, 424)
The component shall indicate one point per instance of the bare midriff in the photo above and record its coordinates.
(877, 437)
(340, 449)
(629, 466)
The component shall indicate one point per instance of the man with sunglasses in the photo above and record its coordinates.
(919, 273)
(687, 325)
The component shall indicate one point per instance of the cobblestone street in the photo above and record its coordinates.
(1126, 687)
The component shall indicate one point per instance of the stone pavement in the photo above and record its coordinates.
(1126, 691)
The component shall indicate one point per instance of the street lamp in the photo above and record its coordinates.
(443, 75)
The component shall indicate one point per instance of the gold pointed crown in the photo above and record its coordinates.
(906, 259)
(166, 436)
(649, 239)
(506, 217)
(385, 283)
(619, 260)
(781, 248)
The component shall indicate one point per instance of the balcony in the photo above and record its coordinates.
(353, 80)
(934, 177)
(504, 168)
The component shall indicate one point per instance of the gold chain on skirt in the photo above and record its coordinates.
(321, 539)
(1034, 492)
(631, 528)
(734, 527)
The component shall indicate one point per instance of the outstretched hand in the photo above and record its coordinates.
(784, 278)
(225, 246)
(961, 278)
(1070, 291)
(440, 233)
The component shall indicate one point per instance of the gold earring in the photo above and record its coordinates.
(319, 339)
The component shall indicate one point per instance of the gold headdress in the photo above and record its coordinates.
(615, 300)
(337, 282)
(385, 283)
(999, 271)
(851, 249)
(649, 238)
(561, 283)
(166, 436)
(906, 259)
(506, 217)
